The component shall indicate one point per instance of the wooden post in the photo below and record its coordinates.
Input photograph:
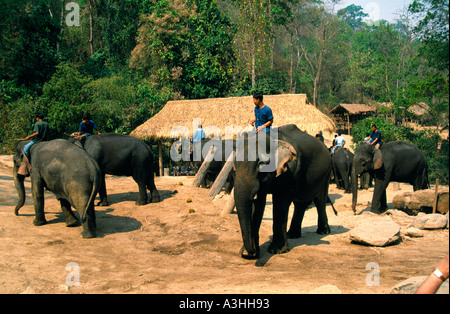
(348, 123)
(205, 165)
(161, 166)
(222, 177)
(436, 196)
(229, 206)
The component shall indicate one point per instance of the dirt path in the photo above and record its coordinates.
(180, 247)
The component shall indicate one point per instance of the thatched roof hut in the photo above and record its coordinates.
(232, 112)
(217, 115)
(347, 115)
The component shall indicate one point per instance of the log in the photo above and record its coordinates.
(204, 167)
(422, 201)
(222, 177)
(229, 206)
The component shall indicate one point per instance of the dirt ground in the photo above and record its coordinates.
(180, 247)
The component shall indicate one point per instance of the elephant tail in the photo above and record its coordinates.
(332, 206)
(95, 186)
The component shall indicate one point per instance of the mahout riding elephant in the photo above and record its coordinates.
(394, 161)
(294, 167)
(123, 155)
(342, 161)
(67, 171)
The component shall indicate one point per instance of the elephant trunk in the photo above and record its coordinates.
(354, 189)
(20, 188)
(244, 207)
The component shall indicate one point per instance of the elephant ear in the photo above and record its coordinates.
(377, 159)
(285, 153)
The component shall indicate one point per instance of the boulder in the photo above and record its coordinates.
(381, 231)
(413, 232)
(422, 201)
(409, 286)
(430, 222)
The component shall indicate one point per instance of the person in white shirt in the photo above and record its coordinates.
(339, 141)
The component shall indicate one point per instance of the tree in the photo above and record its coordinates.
(353, 15)
(186, 44)
(433, 29)
(35, 52)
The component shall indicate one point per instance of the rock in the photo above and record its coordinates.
(413, 232)
(381, 231)
(327, 289)
(430, 222)
(400, 217)
(409, 286)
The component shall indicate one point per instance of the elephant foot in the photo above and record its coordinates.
(103, 203)
(141, 203)
(86, 234)
(244, 254)
(155, 197)
(278, 248)
(323, 230)
(38, 223)
(72, 222)
(294, 234)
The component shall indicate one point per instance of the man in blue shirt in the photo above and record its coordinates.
(263, 115)
(374, 138)
(199, 134)
(87, 127)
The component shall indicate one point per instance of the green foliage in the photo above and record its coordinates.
(187, 45)
(62, 102)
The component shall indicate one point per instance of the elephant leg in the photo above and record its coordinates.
(383, 202)
(38, 200)
(259, 205)
(153, 191)
(142, 198)
(322, 220)
(102, 193)
(89, 225)
(379, 193)
(71, 220)
(295, 230)
(281, 202)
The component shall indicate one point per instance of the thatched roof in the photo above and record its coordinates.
(352, 109)
(234, 112)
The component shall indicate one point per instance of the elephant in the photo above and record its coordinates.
(123, 155)
(67, 171)
(395, 161)
(342, 161)
(296, 170)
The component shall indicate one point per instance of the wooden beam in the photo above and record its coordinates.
(222, 177)
(204, 167)
(160, 156)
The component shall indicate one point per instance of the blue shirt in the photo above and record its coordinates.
(199, 134)
(375, 135)
(263, 116)
(88, 128)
